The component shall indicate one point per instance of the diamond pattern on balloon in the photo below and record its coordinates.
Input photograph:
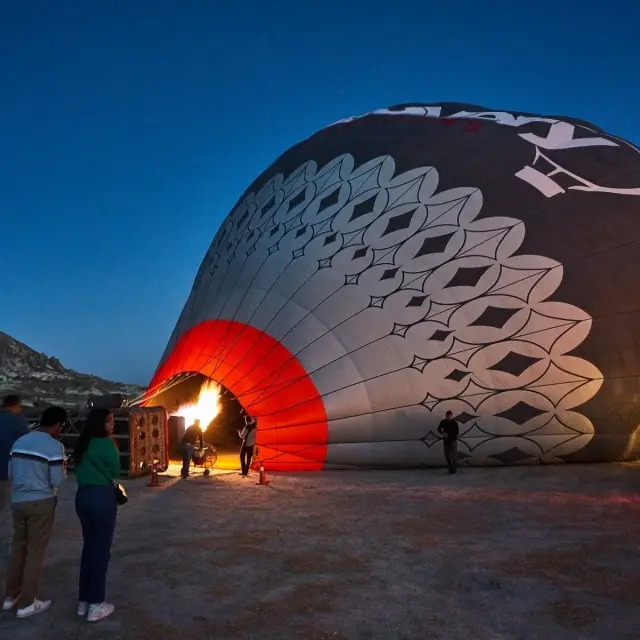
(363, 208)
(495, 317)
(330, 199)
(376, 301)
(457, 375)
(416, 301)
(353, 238)
(415, 281)
(514, 363)
(434, 244)
(389, 274)
(266, 207)
(359, 253)
(384, 256)
(365, 180)
(466, 277)
(512, 456)
(242, 220)
(419, 363)
(430, 439)
(297, 199)
(429, 402)
(322, 226)
(520, 413)
(398, 223)
(400, 330)
(329, 177)
(327, 182)
(397, 194)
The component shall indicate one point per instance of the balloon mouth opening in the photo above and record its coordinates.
(191, 398)
(266, 380)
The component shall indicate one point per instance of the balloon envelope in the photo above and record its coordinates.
(421, 259)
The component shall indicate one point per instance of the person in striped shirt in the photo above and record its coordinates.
(36, 470)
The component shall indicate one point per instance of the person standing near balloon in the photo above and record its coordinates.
(36, 470)
(450, 430)
(97, 467)
(248, 435)
(191, 437)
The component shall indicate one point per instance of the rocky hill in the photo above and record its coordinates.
(42, 380)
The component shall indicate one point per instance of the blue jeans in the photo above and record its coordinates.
(97, 508)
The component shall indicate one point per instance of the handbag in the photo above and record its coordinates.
(121, 494)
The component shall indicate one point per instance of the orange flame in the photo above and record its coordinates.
(205, 408)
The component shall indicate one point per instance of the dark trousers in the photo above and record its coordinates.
(32, 528)
(187, 456)
(5, 494)
(246, 453)
(451, 454)
(97, 509)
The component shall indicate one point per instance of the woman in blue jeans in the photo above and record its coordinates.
(97, 466)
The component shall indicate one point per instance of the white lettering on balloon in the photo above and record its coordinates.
(547, 186)
(560, 136)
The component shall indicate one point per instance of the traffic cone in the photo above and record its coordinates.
(263, 477)
(154, 481)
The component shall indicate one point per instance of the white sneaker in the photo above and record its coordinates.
(9, 603)
(99, 611)
(83, 608)
(38, 606)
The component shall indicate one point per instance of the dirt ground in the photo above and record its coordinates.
(528, 553)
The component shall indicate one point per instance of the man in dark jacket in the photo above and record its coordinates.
(449, 429)
(13, 425)
(191, 436)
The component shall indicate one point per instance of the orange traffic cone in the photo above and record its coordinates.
(263, 476)
(154, 481)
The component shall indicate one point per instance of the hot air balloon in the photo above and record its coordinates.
(420, 259)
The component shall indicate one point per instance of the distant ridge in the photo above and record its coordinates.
(42, 380)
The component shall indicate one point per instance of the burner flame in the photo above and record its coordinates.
(205, 408)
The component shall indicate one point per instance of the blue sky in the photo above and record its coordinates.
(129, 129)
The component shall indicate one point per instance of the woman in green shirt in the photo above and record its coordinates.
(97, 466)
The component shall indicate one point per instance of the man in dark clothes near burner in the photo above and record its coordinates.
(450, 430)
(191, 436)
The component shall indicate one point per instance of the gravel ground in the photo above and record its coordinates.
(528, 553)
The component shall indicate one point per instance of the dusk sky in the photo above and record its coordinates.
(130, 128)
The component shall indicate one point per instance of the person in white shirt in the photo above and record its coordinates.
(248, 435)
